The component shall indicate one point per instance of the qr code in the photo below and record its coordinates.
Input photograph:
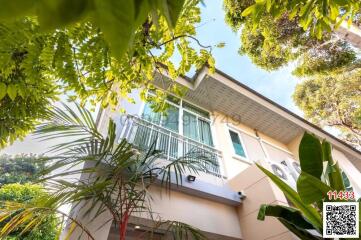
(340, 219)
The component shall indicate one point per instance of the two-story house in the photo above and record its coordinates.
(238, 127)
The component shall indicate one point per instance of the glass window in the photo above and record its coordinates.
(170, 119)
(190, 128)
(196, 128)
(194, 124)
(237, 145)
(205, 132)
(150, 115)
(196, 110)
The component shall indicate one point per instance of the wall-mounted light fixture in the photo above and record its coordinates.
(191, 178)
(136, 227)
(241, 195)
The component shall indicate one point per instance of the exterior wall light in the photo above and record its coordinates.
(191, 178)
(136, 227)
(241, 195)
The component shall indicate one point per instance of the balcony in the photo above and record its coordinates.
(142, 134)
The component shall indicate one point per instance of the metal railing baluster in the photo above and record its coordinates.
(143, 132)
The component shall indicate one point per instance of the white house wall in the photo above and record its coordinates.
(223, 219)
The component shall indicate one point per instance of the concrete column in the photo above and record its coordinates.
(259, 190)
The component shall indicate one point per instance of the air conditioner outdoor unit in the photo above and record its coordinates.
(293, 167)
(281, 170)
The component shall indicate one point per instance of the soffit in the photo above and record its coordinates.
(216, 96)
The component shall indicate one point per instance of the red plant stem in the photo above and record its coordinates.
(123, 226)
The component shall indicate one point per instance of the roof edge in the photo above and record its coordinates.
(292, 114)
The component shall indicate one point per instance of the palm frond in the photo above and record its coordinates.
(67, 123)
(28, 216)
(191, 163)
(115, 177)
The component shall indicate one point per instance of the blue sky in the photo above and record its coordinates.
(277, 85)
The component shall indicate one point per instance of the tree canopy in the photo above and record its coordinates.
(20, 168)
(45, 230)
(333, 100)
(314, 16)
(274, 41)
(96, 51)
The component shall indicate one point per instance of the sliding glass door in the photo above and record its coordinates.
(180, 118)
(196, 128)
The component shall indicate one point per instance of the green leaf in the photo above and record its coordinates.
(171, 9)
(291, 218)
(327, 152)
(335, 177)
(333, 171)
(334, 12)
(340, 21)
(305, 10)
(308, 211)
(325, 7)
(299, 232)
(22, 91)
(2, 90)
(12, 91)
(268, 5)
(293, 13)
(289, 214)
(311, 189)
(58, 13)
(318, 30)
(341, 2)
(310, 155)
(116, 19)
(15, 8)
(142, 9)
(248, 10)
(349, 21)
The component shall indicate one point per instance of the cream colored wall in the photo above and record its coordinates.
(293, 146)
(233, 165)
(201, 213)
(259, 190)
(208, 216)
(98, 227)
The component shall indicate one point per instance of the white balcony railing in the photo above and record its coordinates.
(142, 134)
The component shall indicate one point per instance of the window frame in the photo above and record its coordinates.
(234, 154)
(180, 117)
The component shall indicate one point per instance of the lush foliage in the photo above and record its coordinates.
(334, 100)
(275, 42)
(25, 90)
(116, 177)
(313, 184)
(19, 168)
(45, 229)
(96, 51)
(118, 20)
(317, 16)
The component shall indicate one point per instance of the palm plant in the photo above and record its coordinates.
(304, 219)
(115, 178)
